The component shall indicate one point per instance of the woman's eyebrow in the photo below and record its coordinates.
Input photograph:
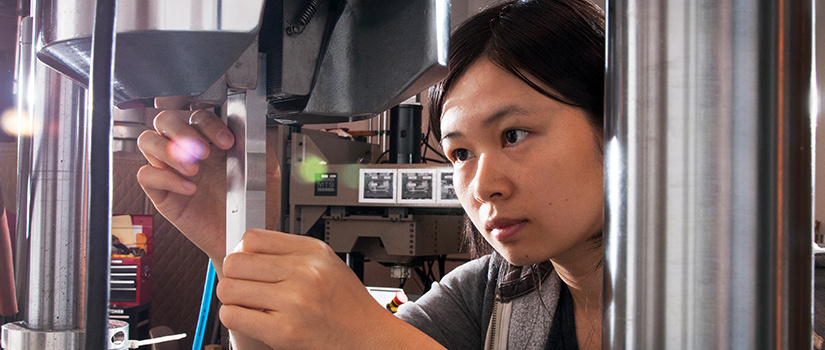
(495, 117)
(449, 135)
(502, 113)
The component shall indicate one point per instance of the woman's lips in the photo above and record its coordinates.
(504, 229)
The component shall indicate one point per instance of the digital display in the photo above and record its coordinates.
(377, 186)
(446, 188)
(416, 186)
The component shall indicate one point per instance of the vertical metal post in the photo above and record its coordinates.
(246, 160)
(24, 83)
(708, 175)
(99, 238)
(59, 181)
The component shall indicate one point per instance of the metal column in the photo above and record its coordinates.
(246, 160)
(57, 228)
(708, 236)
(25, 81)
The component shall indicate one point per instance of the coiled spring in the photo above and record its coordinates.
(302, 18)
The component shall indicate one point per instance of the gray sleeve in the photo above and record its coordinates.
(453, 311)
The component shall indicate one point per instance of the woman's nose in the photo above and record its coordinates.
(491, 181)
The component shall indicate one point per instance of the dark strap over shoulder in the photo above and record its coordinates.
(515, 281)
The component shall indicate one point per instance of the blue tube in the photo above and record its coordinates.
(206, 302)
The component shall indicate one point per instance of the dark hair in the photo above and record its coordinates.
(557, 43)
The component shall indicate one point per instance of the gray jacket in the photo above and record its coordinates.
(488, 303)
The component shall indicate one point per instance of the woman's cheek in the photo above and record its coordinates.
(461, 184)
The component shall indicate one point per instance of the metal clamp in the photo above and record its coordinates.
(15, 336)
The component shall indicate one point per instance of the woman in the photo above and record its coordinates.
(519, 116)
(521, 121)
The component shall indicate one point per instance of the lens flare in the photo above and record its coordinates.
(310, 166)
(16, 122)
(186, 150)
(349, 178)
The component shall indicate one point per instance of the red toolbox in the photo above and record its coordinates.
(130, 280)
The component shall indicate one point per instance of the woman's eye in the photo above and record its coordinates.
(513, 136)
(461, 155)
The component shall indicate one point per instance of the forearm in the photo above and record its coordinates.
(390, 332)
(379, 331)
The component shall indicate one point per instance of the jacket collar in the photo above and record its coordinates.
(515, 281)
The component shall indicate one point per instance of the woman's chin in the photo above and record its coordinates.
(521, 258)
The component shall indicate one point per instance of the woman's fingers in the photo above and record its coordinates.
(150, 143)
(279, 243)
(172, 102)
(283, 289)
(158, 182)
(249, 294)
(211, 126)
(162, 152)
(181, 140)
(257, 267)
(247, 308)
(251, 322)
(175, 126)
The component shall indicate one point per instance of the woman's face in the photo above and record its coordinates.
(528, 170)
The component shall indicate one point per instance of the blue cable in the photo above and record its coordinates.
(206, 302)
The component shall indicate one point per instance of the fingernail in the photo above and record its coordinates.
(225, 139)
(189, 185)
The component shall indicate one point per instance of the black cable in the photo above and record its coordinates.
(418, 283)
(442, 261)
(424, 278)
(377, 161)
(437, 152)
(98, 238)
(428, 146)
(426, 142)
(214, 312)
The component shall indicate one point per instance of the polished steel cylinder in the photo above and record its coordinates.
(708, 232)
(59, 183)
(70, 19)
(158, 43)
(24, 82)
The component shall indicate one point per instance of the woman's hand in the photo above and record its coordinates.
(294, 292)
(186, 176)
